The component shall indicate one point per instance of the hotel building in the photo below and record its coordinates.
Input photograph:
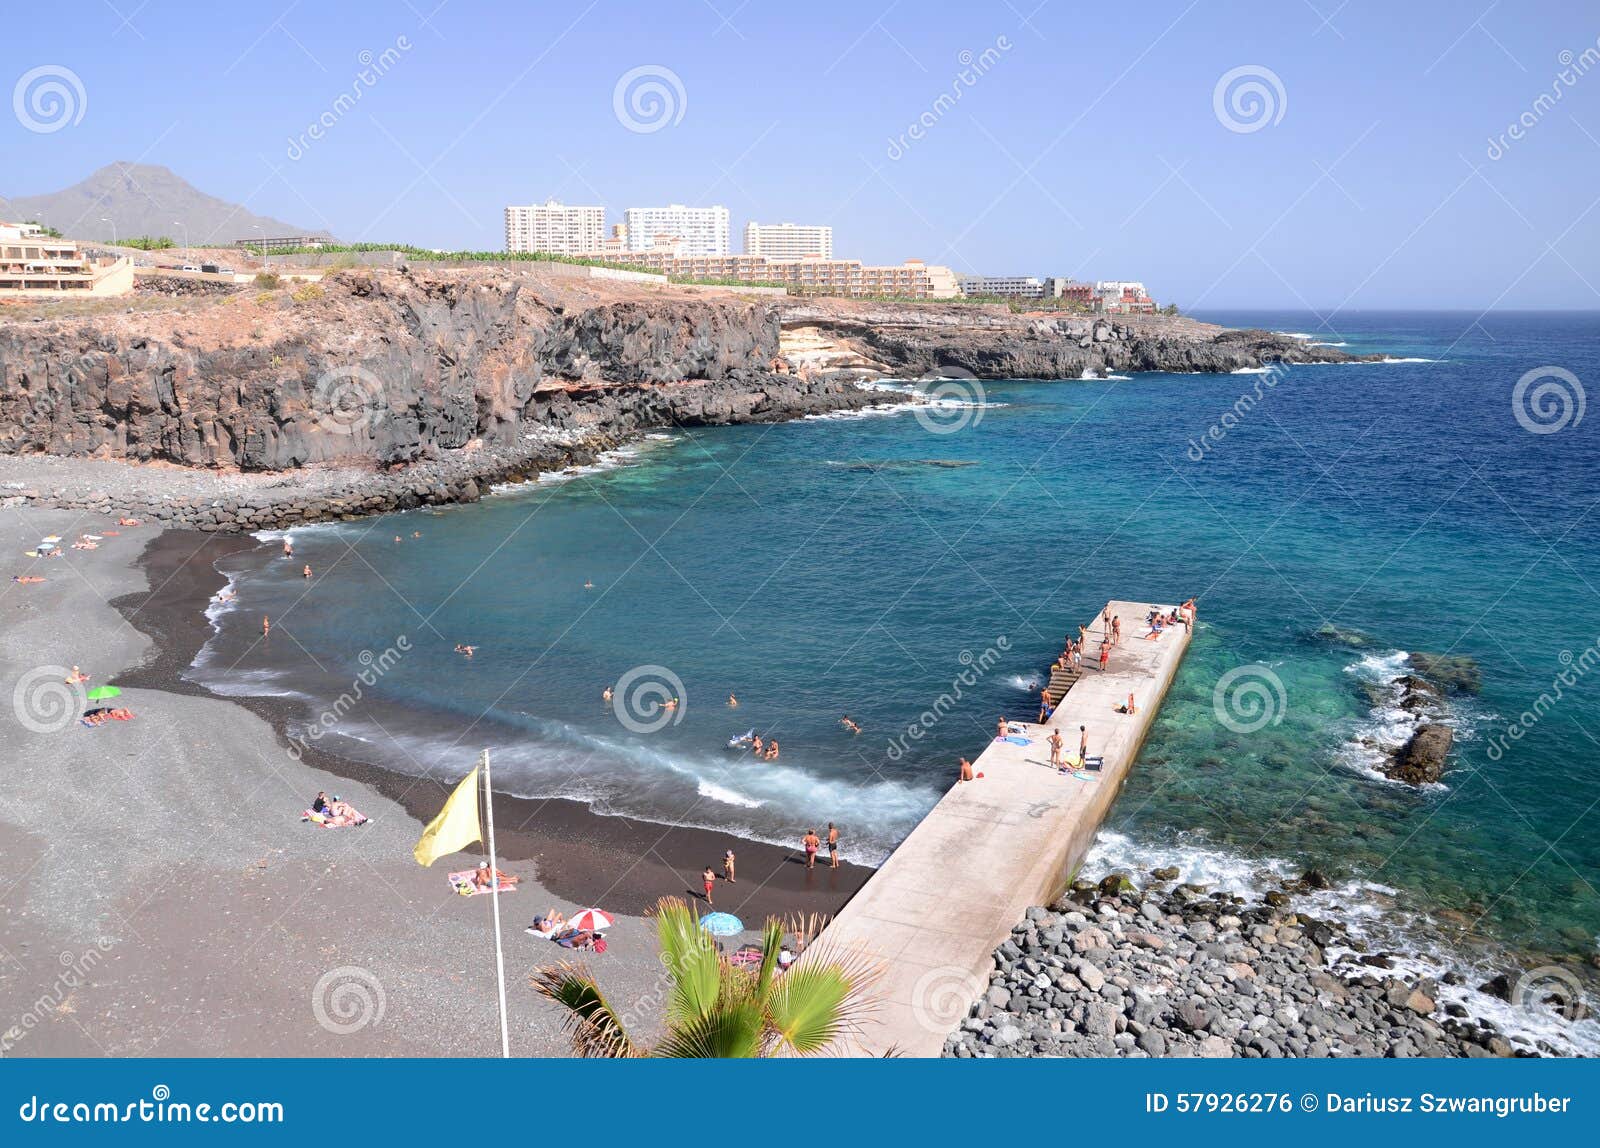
(555, 228)
(697, 230)
(912, 279)
(32, 263)
(788, 240)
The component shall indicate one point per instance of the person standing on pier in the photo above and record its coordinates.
(1055, 747)
(1083, 746)
(1116, 630)
(1105, 655)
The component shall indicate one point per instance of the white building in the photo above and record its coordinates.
(788, 240)
(700, 230)
(1016, 286)
(556, 228)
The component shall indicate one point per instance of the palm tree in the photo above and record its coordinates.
(715, 1008)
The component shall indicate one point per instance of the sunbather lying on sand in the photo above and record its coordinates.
(483, 877)
(26, 579)
(551, 923)
(129, 522)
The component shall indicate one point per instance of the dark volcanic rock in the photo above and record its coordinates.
(1456, 673)
(1421, 760)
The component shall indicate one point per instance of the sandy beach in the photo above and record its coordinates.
(161, 895)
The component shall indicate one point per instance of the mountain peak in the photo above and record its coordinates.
(123, 199)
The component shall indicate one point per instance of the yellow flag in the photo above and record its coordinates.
(456, 826)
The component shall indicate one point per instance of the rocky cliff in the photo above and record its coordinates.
(398, 367)
(994, 343)
(390, 369)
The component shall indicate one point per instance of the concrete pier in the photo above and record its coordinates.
(950, 894)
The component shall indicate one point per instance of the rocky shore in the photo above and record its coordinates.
(578, 428)
(996, 343)
(1176, 970)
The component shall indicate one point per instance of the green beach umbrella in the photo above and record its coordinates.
(103, 692)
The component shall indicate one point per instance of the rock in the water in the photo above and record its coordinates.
(1421, 760)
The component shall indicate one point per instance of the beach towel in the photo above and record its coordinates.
(462, 883)
(543, 934)
(1015, 740)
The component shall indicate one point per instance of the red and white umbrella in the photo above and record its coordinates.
(591, 921)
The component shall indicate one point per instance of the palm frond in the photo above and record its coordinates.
(771, 944)
(591, 1023)
(733, 1029)
(691, 958)
(822, 998)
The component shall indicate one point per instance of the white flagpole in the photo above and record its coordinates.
(494, 885)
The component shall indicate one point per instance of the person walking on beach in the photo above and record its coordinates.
(708, 879)
(812, 843)
(1105, 655)
(1055, 747)
(833, 846)
(1083, 746)
(727, 867)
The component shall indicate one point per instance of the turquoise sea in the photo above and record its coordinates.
(867, 564)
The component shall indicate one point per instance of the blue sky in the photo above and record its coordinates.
(1091, 145)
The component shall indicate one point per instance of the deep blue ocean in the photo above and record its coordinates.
(864, 564)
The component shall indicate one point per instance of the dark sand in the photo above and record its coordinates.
(580, 856)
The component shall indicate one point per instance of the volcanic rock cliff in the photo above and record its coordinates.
(389, 368)
(911, 340)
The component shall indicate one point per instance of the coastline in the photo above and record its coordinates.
(581, 856)
(163, 897)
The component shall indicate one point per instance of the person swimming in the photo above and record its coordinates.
(849, 724)
(465, 650)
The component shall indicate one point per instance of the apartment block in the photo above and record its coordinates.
(695, 230)
(556, 228)
(788, 240)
